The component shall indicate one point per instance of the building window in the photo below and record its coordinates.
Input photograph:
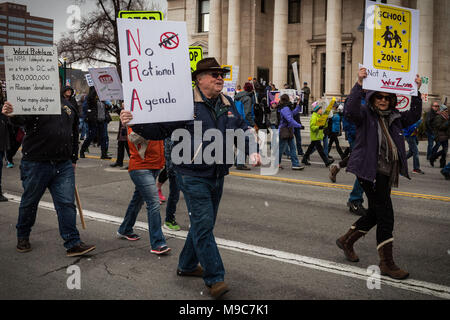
(290, 77)
(39, 37)
(40, 30)
(2, 17)
(294, 11)
(14, 19)
(263, 6)
(16, 27)
(203, 16)
(16, 34)
(41, 23)
(18, 42)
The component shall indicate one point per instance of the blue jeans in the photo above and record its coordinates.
(413, 151)
(284, 143)
(145, 191)
(174, 196)
(59, 178)
(298, 140)
(357, 193)
(202, 197)
(83, 128)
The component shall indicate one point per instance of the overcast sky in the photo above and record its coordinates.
(61, 11)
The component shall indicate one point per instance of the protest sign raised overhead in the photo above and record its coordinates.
(391, 48)
(107, 83)
(32, 79)
(156, 73)
(145, 15)
(195, 55)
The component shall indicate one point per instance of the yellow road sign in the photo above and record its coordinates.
(228, 76)
(146, 15)
(392, 39)
(195, 55)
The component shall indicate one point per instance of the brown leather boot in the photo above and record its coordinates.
(387, 264)
(218, 289)
(346, 243)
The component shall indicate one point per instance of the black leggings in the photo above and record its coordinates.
(319, 148)
(334, 138)
(380, 213)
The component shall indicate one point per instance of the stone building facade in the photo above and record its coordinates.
(264, 37)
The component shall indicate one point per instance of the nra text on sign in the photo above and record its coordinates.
(156, 69)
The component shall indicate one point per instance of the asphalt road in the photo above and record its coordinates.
(276, 237)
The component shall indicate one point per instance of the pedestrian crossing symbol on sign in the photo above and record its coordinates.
(392, 39)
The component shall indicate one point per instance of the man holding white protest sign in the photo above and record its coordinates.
(50, 150)
(201, 177)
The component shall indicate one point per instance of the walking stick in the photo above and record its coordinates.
(80, 210)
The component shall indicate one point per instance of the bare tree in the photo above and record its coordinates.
(96, 38)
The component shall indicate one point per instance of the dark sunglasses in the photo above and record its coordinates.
(380, 97)
(217, 74)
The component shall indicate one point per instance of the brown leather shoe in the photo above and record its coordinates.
(387, 264)
(23, 245)
(218, 289)
(346, 243)
(196, 273)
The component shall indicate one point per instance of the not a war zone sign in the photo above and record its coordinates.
(392, 39)
(391, 48)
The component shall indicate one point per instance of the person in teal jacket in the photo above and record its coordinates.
(316, 133)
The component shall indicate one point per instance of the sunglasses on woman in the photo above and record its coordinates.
(381, 97)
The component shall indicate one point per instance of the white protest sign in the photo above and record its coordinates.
(297, 80)
(391, 48)
(32, 80)
(156, 70)
(424, 88)
(403, 102)
(230, 81)
(107, 83)
(89, 80)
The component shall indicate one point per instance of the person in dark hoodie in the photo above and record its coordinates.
(50, 150)
(377, 159)
(67, 93)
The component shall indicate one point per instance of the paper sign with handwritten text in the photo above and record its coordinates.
(156, 71)
(32, 80)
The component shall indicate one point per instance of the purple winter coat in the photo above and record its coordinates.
(287, 117)
(364, 156)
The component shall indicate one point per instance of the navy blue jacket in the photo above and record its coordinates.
(227, 118)
(364, 156)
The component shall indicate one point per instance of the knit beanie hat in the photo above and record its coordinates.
(316, 106)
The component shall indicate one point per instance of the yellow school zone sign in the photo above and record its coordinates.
(392, 39)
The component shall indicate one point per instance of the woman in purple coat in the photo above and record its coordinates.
(377, 159)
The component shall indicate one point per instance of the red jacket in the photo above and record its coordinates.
(154, 154)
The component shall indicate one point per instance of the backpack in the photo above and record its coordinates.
(240, 108)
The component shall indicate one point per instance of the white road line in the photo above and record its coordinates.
(422, 287)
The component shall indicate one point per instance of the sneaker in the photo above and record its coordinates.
(300, 167)
(23, 245)
(356, 208)
(334, 170)
(445, 174)
(161, 196)
(329, 163)
(10, 165)
(129, 237)
(172, 225)
(198, 272)
(418, 171)
(160, 250)
(80, 250)
(105, 157)
(115, 164)
(306, 162)
(242, 167)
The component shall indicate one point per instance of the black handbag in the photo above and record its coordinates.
(286, 133)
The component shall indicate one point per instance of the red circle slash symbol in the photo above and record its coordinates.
(169, 40)
(403, 102)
